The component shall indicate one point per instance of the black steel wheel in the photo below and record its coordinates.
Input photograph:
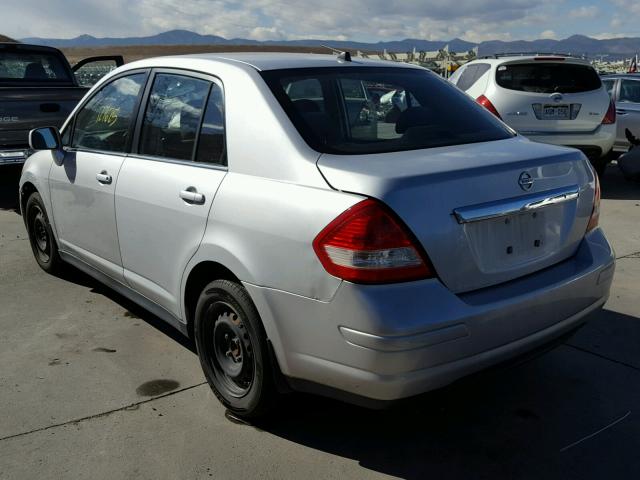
(232, 347)
(43, 243)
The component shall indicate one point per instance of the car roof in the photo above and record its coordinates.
(620, 75)
(263, 61)
(527, 58)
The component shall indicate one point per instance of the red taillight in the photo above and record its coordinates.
(484, 101)
(595, 213)
(610, 116)
(368, 244)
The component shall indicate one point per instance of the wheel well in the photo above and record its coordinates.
(200, 276)
(27, 189)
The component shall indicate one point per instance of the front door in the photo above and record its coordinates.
(167, 185)
(83, 183)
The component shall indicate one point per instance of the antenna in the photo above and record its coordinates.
(343, 56)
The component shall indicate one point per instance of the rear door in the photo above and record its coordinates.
(167, 185)
(549, 95)
(628, 111)
(83, 183)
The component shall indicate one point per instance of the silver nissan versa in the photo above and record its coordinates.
(354, 228)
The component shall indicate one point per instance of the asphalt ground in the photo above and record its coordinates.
(93, 386)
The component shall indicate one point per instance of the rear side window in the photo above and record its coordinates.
(630, 91)
(609, 84)
(211, 144)
(548, 77)
(32, 67)
(173, 116)
(471, 75)
(359, 110)
(104, 123)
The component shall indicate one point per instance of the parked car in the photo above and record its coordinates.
(38, 88)
(624, 90)
(547, 98)
(305, 250)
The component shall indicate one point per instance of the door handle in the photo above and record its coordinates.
(619, 111)
(191, 195)
(104, 178)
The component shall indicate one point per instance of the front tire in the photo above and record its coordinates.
(233, 351)
(43, 243)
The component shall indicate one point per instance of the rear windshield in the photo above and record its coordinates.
(32, 67)
(358, 110)
(540, 77)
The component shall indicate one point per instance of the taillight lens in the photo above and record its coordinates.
(595, 213)
(610, 116)
(368, 244)
(484, 101)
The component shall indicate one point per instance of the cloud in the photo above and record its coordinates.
(608, 35)
(366, 20)
(590, 11)
(548, 35)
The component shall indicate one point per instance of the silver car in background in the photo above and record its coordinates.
(554, 99)
(309, 236)
(625, 92)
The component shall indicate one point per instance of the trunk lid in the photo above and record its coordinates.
(540, 97)
(456, 201)
(25, 108)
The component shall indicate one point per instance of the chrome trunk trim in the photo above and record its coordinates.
(513, 206)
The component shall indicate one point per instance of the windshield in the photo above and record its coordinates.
(358, 110)
(542, 77)
(32, 67)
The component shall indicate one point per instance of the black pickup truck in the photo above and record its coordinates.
(39, 88)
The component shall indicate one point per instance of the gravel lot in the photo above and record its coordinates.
(92, 386)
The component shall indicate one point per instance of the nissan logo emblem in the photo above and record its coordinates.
(525, 181)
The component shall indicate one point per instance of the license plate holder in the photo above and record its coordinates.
(556, 112)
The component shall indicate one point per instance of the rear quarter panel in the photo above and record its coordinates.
(262, 230)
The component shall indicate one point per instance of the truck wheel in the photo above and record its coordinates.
(232, 347)
(43, 244)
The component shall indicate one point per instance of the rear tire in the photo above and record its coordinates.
(43, 243)
(233, 351)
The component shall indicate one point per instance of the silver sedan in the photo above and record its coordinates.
(309, 236)
(625, 92)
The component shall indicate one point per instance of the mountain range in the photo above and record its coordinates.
(614, 48)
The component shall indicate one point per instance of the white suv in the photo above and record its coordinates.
(550, 99)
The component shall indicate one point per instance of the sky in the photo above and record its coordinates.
(358, 20)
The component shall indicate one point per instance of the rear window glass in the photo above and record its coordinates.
(32, 67)
(361, 110)
(541, 77)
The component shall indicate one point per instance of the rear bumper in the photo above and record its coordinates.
(389, 342)
(595, 144)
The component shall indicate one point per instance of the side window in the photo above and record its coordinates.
(104, 123)
(173, 115)
(471, 75)
(630, 91)
(609, 84)
(211, 144)
(467, 78)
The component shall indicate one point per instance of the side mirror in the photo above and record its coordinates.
(46, 138)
